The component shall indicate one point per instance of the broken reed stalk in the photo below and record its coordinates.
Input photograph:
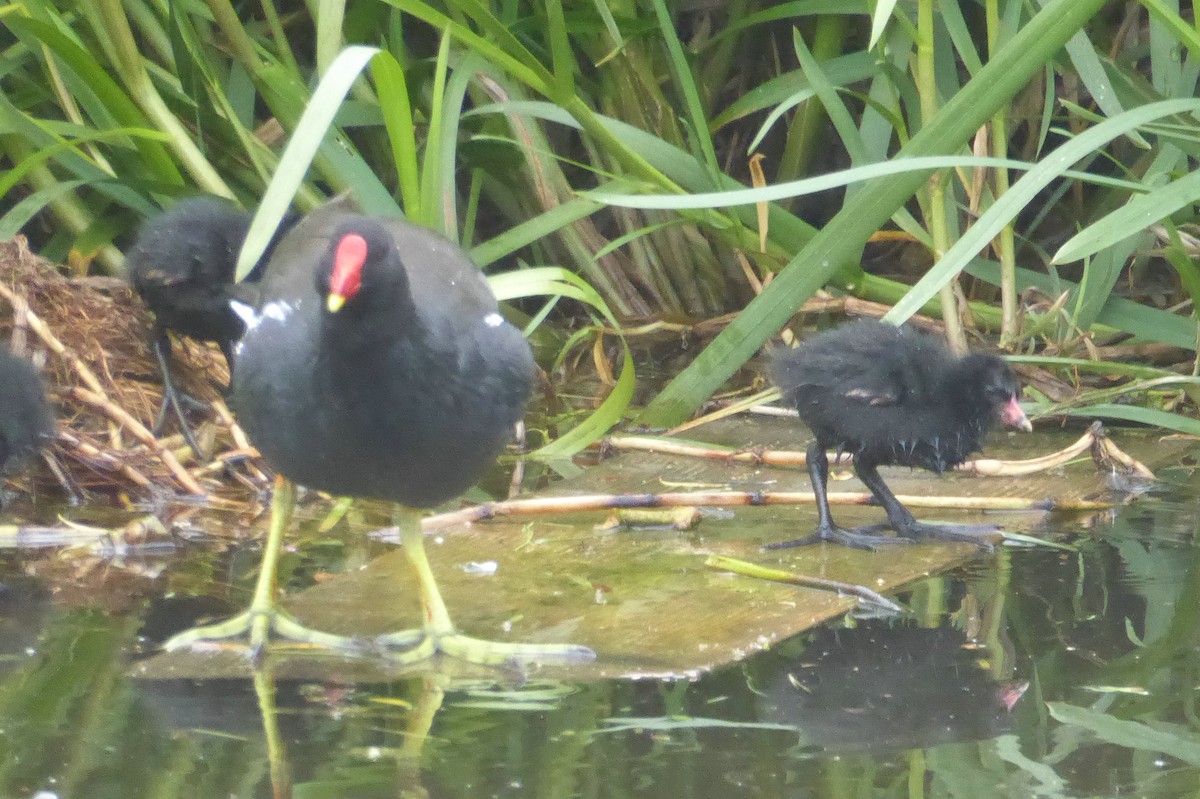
(732, 409)
(1095, 438)
(35, 323)
(91, 454)
(93, 394)
(121, 416)
(594, 502)
(747, 569)
(138, 535)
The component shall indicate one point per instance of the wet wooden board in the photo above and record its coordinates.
(645, 601)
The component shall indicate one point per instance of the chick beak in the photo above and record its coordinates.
(1013, 416)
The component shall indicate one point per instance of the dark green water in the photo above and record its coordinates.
(1107, 637)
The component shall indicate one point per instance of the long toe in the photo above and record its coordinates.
(859, 538)
(794, 542)
(258, 632)
(983, 536)
(417, 645)
(498, 653)
(866, 537)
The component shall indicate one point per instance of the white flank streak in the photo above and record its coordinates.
(276, 311)
(493, 319)
(245, 313)
(279, 311)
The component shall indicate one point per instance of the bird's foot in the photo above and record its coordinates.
(983, 536)
(255, 630)
(858, 538)
(177, 401)
(421, 644)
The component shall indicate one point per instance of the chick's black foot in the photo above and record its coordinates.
(186, 403)
(981, 535)
(858, 538)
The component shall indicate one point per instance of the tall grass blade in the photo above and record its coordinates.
(298, 155)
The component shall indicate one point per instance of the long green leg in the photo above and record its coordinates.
(264, 617)
(439, 633)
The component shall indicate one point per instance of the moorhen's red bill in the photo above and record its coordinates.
(378, 365)
(182, 266)
(26, 419)
(892, 396)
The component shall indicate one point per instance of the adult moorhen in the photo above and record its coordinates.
(26, 420)
(182, 266)
(892, 396)
(377, 365)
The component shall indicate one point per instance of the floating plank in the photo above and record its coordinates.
(645, 601)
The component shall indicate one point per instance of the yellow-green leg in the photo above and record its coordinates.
(439, 634)
(264, 617)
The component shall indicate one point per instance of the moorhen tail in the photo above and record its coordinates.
(892, 396)
(378, 366)
(182, 266)
(26, 420)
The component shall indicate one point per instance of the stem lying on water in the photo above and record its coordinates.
(592, 502)
(748, 569)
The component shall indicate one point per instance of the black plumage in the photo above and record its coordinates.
(892, 396)
(26, 419)
(407, 393)
(377, 365)
(182, 265)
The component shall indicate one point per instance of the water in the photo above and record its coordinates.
(1102, 641)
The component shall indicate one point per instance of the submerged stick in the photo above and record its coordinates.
(780, 576)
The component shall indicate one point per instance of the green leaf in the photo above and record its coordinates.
(298, 155)
(1182, 744)
(114, 106)
(329, 17)
(532, 230)
(1022, 193)
(793, 87)
(686, 83)
(16, 217)
(1139, 213)
(1119, 313)
(839, 244)
(394, 102)
(1135, 413)
(833, 180)
(879, 20)
(549, 280)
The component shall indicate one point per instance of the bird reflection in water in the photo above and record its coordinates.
(882, 687)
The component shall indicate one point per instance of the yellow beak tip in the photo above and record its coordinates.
(334, 303)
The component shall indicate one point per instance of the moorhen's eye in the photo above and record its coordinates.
(890, 395)
(998, 392)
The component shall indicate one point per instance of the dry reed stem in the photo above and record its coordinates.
(121, 416)
(594, 502)
(98, 332)
(91, 454)
(988, 467)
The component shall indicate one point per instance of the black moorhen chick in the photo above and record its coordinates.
(892, 396)
(182, 266)
(26, 420)
(377, 365)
